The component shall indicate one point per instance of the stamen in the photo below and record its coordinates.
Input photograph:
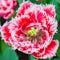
(34, 35)
(32, 32)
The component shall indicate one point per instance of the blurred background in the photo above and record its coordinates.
(7, 53)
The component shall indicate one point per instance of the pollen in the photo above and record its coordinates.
(33, 32)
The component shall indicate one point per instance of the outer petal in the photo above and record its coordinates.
(23, 7)
(49, 51)
(6, 35)
(50, 10)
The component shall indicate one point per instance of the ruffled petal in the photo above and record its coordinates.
(48, 52)
(6, 35)
(24, 6)
(50, 10)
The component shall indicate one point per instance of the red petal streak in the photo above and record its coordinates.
(23, 7)
(49, 51)
(50, 11)
(6, 32)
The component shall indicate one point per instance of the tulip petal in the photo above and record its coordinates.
(22, 8)
(49, 51)
(50, 10)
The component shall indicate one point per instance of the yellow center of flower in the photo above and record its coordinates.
(33, 32)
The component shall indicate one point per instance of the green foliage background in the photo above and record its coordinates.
(7, 53)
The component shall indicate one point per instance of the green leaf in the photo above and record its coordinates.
(56, 59)
(20, 1)
(6, 53)
(9, 54)
(57, 36)
(3, 46)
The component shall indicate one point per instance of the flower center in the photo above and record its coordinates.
(34, 35)
(33, 32)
